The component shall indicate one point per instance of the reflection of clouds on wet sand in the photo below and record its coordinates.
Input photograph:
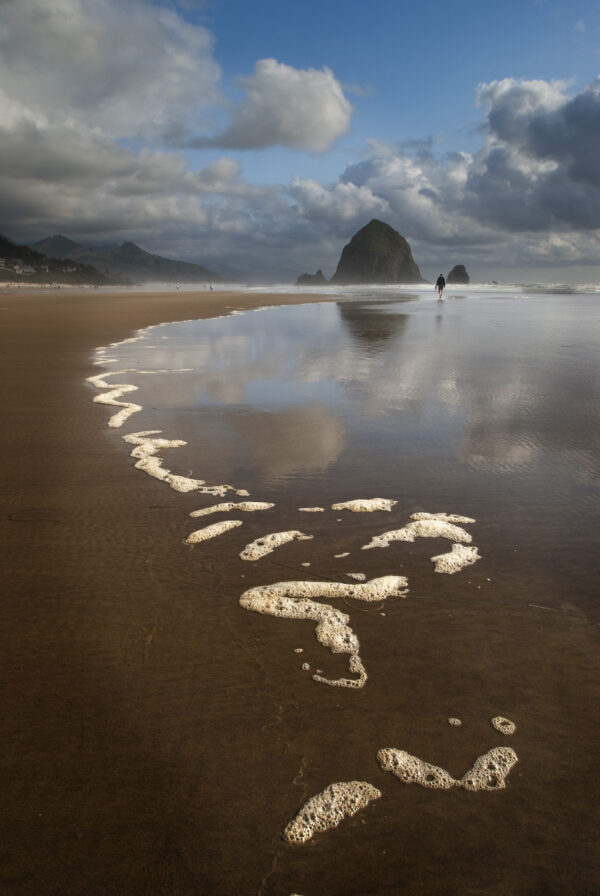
(307, 438)
(511, 441)
(524, 394)
(518, 409)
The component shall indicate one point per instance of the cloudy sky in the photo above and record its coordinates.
(257, 137)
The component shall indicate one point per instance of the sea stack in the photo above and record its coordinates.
(458, 274)
(317, 279)
(377, 254)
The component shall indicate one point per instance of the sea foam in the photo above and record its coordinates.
(293, 600)
(329, 808)
(145, 451)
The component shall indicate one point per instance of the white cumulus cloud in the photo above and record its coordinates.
(123, 67)
(339, 202)
(286, 106)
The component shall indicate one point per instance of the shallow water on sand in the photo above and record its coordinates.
(484, 405)
(487, 406)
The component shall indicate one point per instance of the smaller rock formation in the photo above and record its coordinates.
(458, 274)
(317, 279)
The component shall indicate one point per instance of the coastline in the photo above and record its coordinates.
(147, 750)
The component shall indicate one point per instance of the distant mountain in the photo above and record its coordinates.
(59, 246)
(377, 254)
(128, 260)
(14, 252)
(23, 263)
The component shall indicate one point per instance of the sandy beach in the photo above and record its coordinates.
(147, 749)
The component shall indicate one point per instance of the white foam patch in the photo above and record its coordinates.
(456, 723)
(268, 543)
(490, 770)
(127, 407)
(340, 556)
(447, 517)
(292, 600)
(137, 338)
(311, 509)
(413, 770)
(212, 531)
(330, 807)
(145, 451)
(365, 505)
(117, 390)
(111, 398)
(504, 726)
(459, 557)
(226, 507)
(358, 576)
(430, 528)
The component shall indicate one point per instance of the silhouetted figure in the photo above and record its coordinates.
(440, 284)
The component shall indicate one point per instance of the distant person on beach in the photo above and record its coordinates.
(440, 284)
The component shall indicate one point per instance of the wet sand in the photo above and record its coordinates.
(157, 739)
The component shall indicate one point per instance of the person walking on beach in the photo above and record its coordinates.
(440, 284)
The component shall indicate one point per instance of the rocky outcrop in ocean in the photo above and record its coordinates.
(458, 274)
(317, 279)
(377, 254)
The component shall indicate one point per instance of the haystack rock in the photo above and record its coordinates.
(458, 274)
(377, 254)
(317, 279)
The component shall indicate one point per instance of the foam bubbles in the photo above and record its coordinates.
(145, 451)
(268, 543)
(111, 398)
(330, 807)
(311, 509)
(504, 726)
(426, 528)
(212, 531)
(293, 600)
(459, 557)
(227, 506)
(490, 770)
(456, 723)
(365, 505)
(411, 769)
(446, 517)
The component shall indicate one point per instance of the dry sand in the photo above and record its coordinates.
(147, 746)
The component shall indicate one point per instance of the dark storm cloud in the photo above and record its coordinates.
(540, 166)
